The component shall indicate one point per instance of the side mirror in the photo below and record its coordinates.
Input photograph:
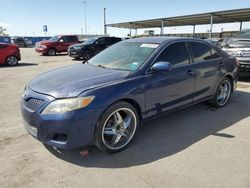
(161, 66)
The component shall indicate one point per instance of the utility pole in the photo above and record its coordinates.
(105, 25)
(85, 17)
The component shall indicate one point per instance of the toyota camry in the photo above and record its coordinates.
(103, 101)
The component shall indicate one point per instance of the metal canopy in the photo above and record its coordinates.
(228, 16)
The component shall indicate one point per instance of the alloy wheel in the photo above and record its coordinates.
(223, 92)
(119, 128)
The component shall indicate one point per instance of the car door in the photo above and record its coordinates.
(100, 45)
(168, 90)
(3, 53)
(207, 65)
(66, 43)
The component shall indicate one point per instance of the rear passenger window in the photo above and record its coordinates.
(202, 52)
(70, 39)
(176, 54)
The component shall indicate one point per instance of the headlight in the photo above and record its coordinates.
(43, 46)
(77, 47)
(65, 105)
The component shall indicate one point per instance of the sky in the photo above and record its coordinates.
(27, 17)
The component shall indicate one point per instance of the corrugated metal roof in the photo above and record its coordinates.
(228, 16)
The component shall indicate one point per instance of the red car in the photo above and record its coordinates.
(56, 44)
(9, 54)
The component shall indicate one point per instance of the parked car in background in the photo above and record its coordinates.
(239, 46)
(19, 41)
(56, 44)
(215, 41)
(105, 100)
(91, 47)
(9, 54)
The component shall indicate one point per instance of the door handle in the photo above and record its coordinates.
(221, 63)
(190, 73)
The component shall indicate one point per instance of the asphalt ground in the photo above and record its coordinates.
(198, 146)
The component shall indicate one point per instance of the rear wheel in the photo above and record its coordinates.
(222, 94)
(51, 52)
(12, 61)
(116, 127)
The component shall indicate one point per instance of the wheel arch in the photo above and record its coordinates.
(230, 77)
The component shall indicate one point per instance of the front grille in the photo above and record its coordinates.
(244, 67)
(34, 104)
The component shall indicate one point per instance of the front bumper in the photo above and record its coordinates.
(42, 51)
(66, 131)
(74, 53)
(243, 56)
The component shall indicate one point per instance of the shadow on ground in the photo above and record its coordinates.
(244, 78)
(21, 64)
(168, 135)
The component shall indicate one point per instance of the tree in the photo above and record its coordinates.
(2, 31)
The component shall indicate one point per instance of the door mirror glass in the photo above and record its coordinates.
(161, 66)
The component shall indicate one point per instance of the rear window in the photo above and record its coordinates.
(202, 52)
(70, 38)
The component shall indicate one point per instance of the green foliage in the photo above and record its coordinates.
(2, 31)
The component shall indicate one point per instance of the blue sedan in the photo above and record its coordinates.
(103, 101)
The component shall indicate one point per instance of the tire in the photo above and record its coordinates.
(223, 93)
(116, 127)
(11, 60)
(51, 52)
(86, 55)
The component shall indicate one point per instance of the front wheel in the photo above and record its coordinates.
(116, 127)
(51, 52)
(222, 94)
(87, 55)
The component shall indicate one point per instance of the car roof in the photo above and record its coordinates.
(159, 40)
(5, 43)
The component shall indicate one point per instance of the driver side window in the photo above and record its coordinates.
(176, 54)
(61, 40)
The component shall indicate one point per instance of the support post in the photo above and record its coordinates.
(193, 31)
(240, 26)
(162, 27)
(136, 32)
(130, 32)
(211, 26)
(105, 25)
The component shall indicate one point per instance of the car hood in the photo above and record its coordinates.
(238, 43)
(44, 42)
(70, 81)
(78, 45)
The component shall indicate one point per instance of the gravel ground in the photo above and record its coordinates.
(195, 147)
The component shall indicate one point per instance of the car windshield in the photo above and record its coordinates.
(89, 41)
(243, 34)
(124, 55)
(54, 39)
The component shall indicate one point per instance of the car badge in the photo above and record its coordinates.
(239, 53)
(25, 95)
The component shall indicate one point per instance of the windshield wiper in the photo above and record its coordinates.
(101, 66)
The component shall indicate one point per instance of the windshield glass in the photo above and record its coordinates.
(124, 55)
(54, 39)
(89, 41)
(243, 34)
